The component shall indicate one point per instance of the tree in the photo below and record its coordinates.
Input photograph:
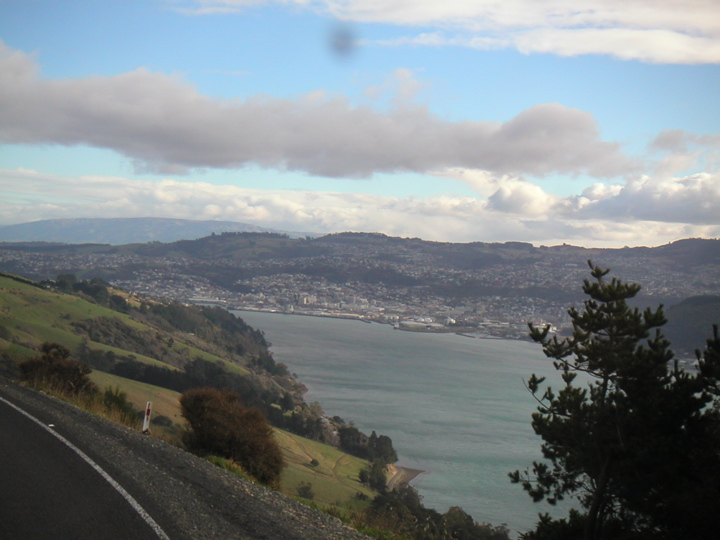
(630, 435)
(374, 475)
(459, 525)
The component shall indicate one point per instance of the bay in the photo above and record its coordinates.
(455, 407)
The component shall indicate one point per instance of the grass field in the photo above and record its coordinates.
(165, 402)
(334, 479)
(32, 316)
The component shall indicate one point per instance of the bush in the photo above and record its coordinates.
(116, 401)
(8, 366)
(161, 420)
(304, 490)
(54, 368)
(221, 425)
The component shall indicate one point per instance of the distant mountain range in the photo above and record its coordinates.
(118, 231)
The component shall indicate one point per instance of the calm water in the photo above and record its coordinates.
(455, 407)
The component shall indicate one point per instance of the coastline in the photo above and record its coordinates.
(398, 476)
(339, 394)
(464, 332)
(401, 476)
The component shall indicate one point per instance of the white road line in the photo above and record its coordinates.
(136, 506)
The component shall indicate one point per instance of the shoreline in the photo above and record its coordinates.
(464, 332)
(401, 476)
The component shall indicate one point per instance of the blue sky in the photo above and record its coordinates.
(593, 122)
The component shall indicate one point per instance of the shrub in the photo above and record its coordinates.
(54, 368)
(304, 490)
(161, 420)
(116, 401)
(221, 425)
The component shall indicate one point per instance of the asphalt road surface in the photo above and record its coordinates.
(47, 490)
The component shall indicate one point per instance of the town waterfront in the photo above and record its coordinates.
(455, 407)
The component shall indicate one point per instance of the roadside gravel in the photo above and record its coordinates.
(189, 497)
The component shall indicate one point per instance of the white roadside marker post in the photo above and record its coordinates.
(146, 422)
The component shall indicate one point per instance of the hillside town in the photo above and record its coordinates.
(412, 290)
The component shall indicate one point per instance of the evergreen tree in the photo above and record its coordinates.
(630, 435)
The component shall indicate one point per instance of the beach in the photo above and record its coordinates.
(401, 476)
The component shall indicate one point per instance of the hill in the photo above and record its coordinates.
(484, 288)
(117, 231)
(690, 322)
(177, 347)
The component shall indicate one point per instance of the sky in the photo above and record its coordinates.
(589, 122)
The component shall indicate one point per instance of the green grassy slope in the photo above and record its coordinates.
(165, 402)
(334, 478)
(30, 315)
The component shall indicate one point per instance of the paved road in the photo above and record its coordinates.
(49, 491)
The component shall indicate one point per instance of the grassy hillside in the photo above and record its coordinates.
(334, 477)
(165, 402)
(31, 315)
(142, 340)
(331, 473)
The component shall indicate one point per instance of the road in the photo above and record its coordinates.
(49, 491)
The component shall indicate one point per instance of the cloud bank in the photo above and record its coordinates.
(165, 125)
(655, 31)
(640, 212)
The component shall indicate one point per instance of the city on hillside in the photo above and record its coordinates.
(403, 283)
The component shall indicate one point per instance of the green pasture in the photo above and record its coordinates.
(165, 402)
(334, 479)
(33, 315)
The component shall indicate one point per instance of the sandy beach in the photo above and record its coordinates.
(401, 476)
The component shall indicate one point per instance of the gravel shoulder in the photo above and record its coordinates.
(189, 497)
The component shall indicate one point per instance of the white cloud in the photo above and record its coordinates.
(521, 197)
(652, 46)
(641, 212)
(656, 31)
(402, 85)
(678, 140)
(693, 199)
(685, 151)
(165, 125)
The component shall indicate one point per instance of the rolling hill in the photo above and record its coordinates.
(184, 345)
(117, 231)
